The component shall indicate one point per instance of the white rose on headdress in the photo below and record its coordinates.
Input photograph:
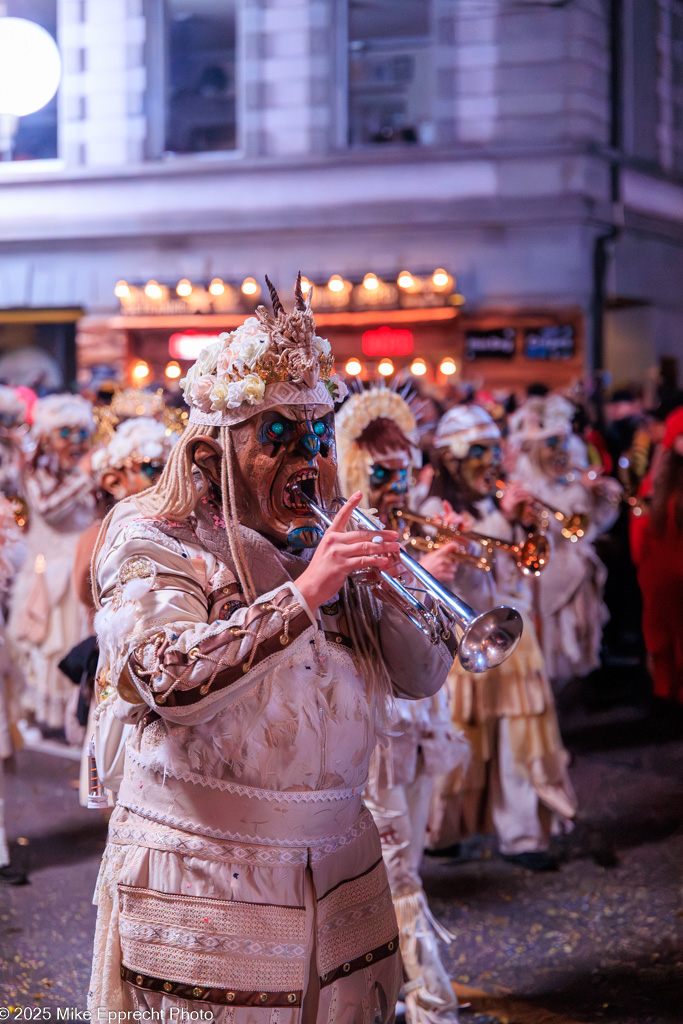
(200, 392)
(253, 389)
(219, 394)
(208, 357)
(323, 347)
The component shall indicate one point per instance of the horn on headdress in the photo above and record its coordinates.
(299, 300)
(274, 298)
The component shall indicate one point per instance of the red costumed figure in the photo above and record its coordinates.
(657, 550)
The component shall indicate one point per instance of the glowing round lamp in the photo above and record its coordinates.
(386, 368)
(353, 367)
(141, 370)
(418, 367)
(216, 287)
(184, 288)
(405, 279)
(122, 290)
(336, 283)
(153, 290)
(305, 285)
(250, 286)
(370, 282)
(440, 278)
(448, 367)
(30, 67)
(172, 370)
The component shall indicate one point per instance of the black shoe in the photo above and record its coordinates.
(11, 876)
(533, 860)
(453, 851)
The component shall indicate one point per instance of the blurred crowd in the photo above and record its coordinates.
(603, 492)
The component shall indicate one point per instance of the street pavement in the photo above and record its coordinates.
(598, 942)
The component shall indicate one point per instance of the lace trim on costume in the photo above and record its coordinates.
(204, 942)
(358, 914)
(299, 796)
(326, 847)
(185, 825)
(192, 846)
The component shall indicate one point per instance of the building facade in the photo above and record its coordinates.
(530, 149)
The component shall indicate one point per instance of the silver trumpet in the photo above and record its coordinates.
(487, 638)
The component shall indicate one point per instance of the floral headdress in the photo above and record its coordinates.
(463, 426)
(362, 408)
(136, 441)
(271, 359)
(63, 410)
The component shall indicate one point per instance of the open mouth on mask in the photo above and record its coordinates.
(303, 481)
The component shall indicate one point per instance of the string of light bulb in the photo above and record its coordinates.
(386, 367)
(440, 280)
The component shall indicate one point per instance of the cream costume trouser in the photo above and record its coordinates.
(495, 792)
(401, 814)
(4, 849)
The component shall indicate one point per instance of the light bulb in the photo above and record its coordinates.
(122, 290)
(250, 286)
(448, 367)
(405, 279)
(141, 370)
(184, 288)
(305, 285)
(153, 290)
(336, 283)
(172, 371)
(370, 282)
(216, 287)
(386, 368)
(440, 278)
(30, 67)
(418, 367)
(353, 367)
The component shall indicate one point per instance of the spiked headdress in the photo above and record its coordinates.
(272, 359)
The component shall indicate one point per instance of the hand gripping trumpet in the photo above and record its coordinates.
(487, 638)
(531, 556)
(573, 526)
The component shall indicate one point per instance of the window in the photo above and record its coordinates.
(200, 79)
(36, 134)
(390, 82)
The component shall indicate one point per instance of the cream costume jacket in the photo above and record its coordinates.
(242, 869)
(47, 618)
(571, 587)
(516, 693)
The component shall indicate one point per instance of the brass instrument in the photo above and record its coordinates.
(487, 637)
(531, 556)
(573, 526)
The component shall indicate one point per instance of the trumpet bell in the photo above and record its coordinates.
(489, 639)
(534, 554)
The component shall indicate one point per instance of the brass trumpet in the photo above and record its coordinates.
(530, 557)
(487, 638)
(573, 527)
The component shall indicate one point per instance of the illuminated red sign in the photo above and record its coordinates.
(386, 341)
(188, 344)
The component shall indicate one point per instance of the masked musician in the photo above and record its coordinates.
(243, 874)
(376, 437)
(13, 427)
(129, 463)
(517, 783)
(47, 619)
(552, 465)
(11, 556)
